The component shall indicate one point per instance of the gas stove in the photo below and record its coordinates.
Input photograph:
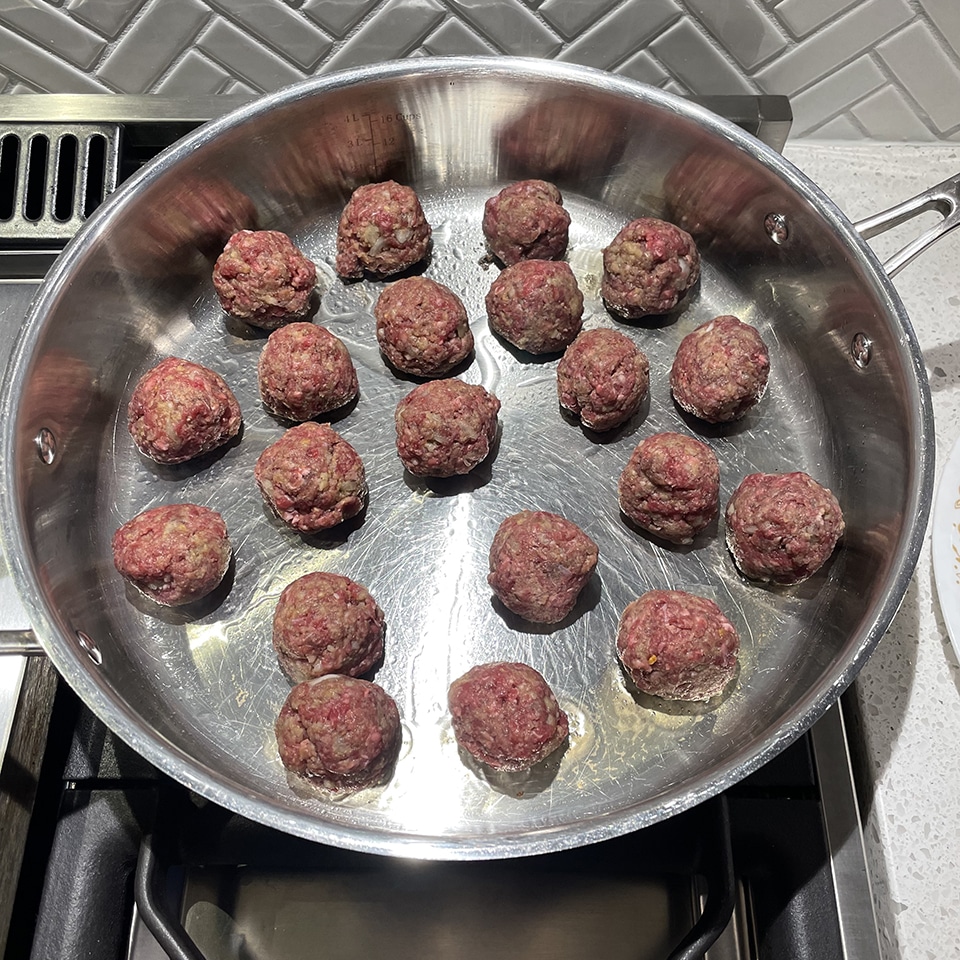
(106, 857)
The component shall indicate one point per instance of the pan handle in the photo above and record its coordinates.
(944, 198)
(19, 643)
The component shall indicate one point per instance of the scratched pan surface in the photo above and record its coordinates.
(197, 690)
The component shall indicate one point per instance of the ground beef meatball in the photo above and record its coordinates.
(180, 410)
(422, 327)
(720, 370)
(536, 305)
(382, 231)
(445, 428)
(304, 371)
(173, 554)
(526, 221)
(677, 646)
(338, 732)
(602, 378)
(262, 278)
(648, 268)
(325, 623)
(670, 486)
(506, 716)
(539, 563)
(312, 478)
(782, 527)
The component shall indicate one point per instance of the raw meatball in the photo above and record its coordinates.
(445, 428)
(782, 527)
(180, 410)
(304, 370)
(536, 305)
(602, 378)
(325, 623)
(671, 486)
(382, 231)
(539, 563)
(312, 477)
(677, 646)
(526, 221)
(261, 277)
(648, 268)
(338, 732)
(506, 716)
(173, 554)
(720, 370)
(422, 327)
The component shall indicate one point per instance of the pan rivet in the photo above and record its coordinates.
(46, 445)
(862, 349)
(89, 648)
(776, 226)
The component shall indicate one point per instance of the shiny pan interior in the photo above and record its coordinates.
(197, 691)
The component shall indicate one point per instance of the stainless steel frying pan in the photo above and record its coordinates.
(197, 691)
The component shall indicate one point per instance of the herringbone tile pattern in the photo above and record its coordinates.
(878, 68)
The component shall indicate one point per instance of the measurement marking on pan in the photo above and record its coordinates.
(378, 130)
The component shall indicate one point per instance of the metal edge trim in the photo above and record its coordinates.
(844, 835)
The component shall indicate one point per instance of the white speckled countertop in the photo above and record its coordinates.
(908, 694)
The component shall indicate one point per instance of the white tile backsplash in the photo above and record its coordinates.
(144, 53)
(397, 28)
(840, 91)
(32, 68)
(571, 17)
(630, 26)
(800, 17)
(746, 32)
(279, 27)
(453, 39)
(836, 44)
(889, 112)
(689, 56)
(643, 67)
(513, 28)
(107, 17)
(246, 59)
(337, 17)
(945, 16)
(915, 58)
(54, 31)
(883, 69)
(194, 74)
(841, 128)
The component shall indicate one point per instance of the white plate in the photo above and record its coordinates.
(946, 545)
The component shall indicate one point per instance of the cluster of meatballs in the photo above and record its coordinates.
(339, 729)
